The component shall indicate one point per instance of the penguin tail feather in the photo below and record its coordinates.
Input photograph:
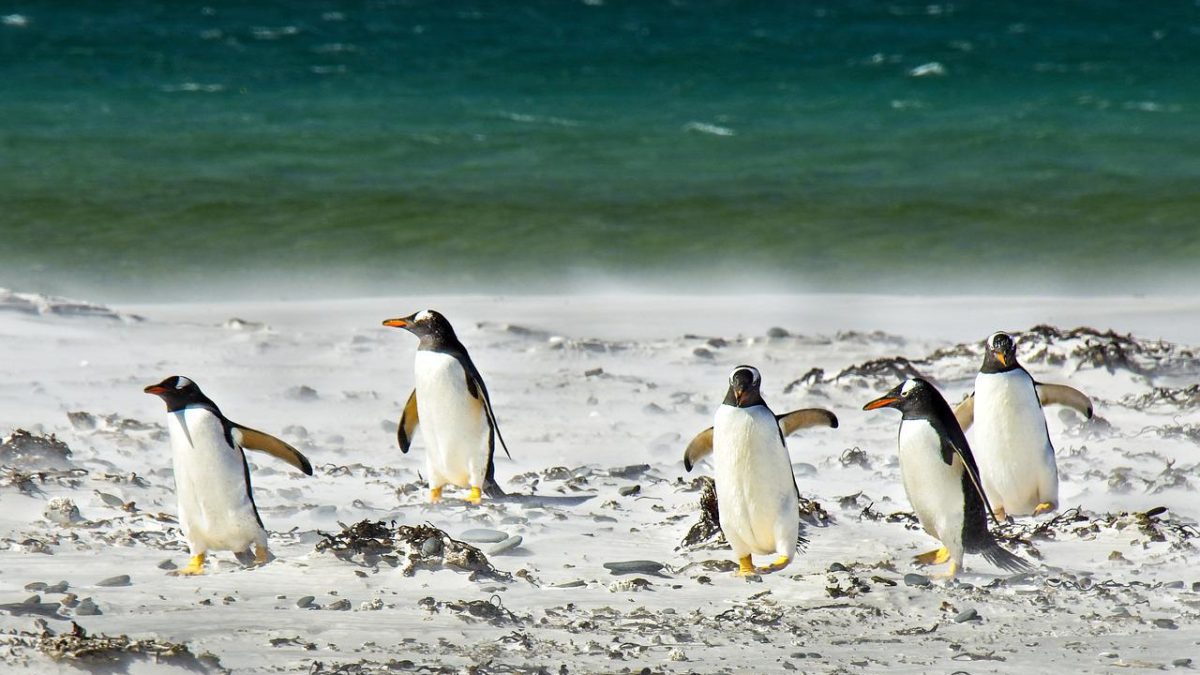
(1001, 558)
(493, 490)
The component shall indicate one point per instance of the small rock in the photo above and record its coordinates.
(634, 567)
(119, 580)
(35, 586)
(967, 615)
(60, 587)
(804, 469)
(1196, 586)
(303, 393)
(702, 353)
(506, 545)
(305, 602)
(62, 511)
(1173, 584)
(777, 332)
(33, 600)
(576, 583)
(167, 564)
(838, 567)
(1165, 623)
(593, 372)
(482, 536)
(1182, 663)
(629, 490)
(69, 600)
(431, 547)
(83, 421)
(340, 606)
(87, 607)
(110, 500)
(914, 579)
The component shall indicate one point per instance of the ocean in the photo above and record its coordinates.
(162, 149)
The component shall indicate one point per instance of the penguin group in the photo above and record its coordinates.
(955, 489)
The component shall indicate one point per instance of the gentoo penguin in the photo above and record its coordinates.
(756, 490)
(455, 412)
(1016, 458)
(212, 477)
(941, 479)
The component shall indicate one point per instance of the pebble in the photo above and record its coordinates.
(577, 583)
(967, 615)
(1196, 586)
(482, 536)
(634, 567)
(914, 579)
(629, 490)
(1173, 584)
(803, 469)
(431, 547)
(110, 500)
(87, 607)
(340, 606)
(1165, 623)
(838, 567)
(167, 564)
(60, 587)
(35, 586)
(777, 332)
(305, 602)
(1182, 663)
(506, 545)
(119, 580)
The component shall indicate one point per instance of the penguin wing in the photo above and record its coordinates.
(803, 419)
(964, 412)
(478, 389)
(954, 443)
(700, 447)
(408, 423)
(253, 439)
(1061, 394)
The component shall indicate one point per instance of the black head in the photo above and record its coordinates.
(178, 392)
(915, 397)
(1000, 354)
(427, 324)
(743, 387)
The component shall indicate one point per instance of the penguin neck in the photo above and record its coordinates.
(753, 399)
(204, 403)
(992, 365)
(441, 339)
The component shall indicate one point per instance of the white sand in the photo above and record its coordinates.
(654, 393)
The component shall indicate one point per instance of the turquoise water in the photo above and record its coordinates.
(385, 145)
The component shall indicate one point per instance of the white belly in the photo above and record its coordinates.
(756, 494)
(215, 511)
(934, 488)
(1012, 448)
(452, 422)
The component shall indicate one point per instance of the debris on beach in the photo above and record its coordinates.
(409, 547)
(706, 532)
(27, 450)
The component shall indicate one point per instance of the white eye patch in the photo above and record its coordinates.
(755, 377)
(424, 315)
(909, 385)
(182, 382)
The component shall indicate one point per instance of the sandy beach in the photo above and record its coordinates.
(597, 396)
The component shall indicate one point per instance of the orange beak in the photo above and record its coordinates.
(396, 323)
(155, 389)
(1003, 361)
(881, 402)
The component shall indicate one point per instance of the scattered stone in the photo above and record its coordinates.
(838, 567)
(302, 393)
(481, 536)
(87, 607)
(777, 332)
(60, 587)
(506, 545)
(1182, 663)
(629, 490)
(1173, 584)
(82, 421)
(110, 500)
(575, 583)
(36, 586)
(634, 567)
(1165, 623)
(702, 353)
(119, 580)
(305, 602)
(967, 615)
(431, 547)
(914, 579)
(62, 511)
(340, 605)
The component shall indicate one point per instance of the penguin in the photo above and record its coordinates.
(757, 497)
(212, 477)
(1016, 457)
(452, 406)
(941, 478)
